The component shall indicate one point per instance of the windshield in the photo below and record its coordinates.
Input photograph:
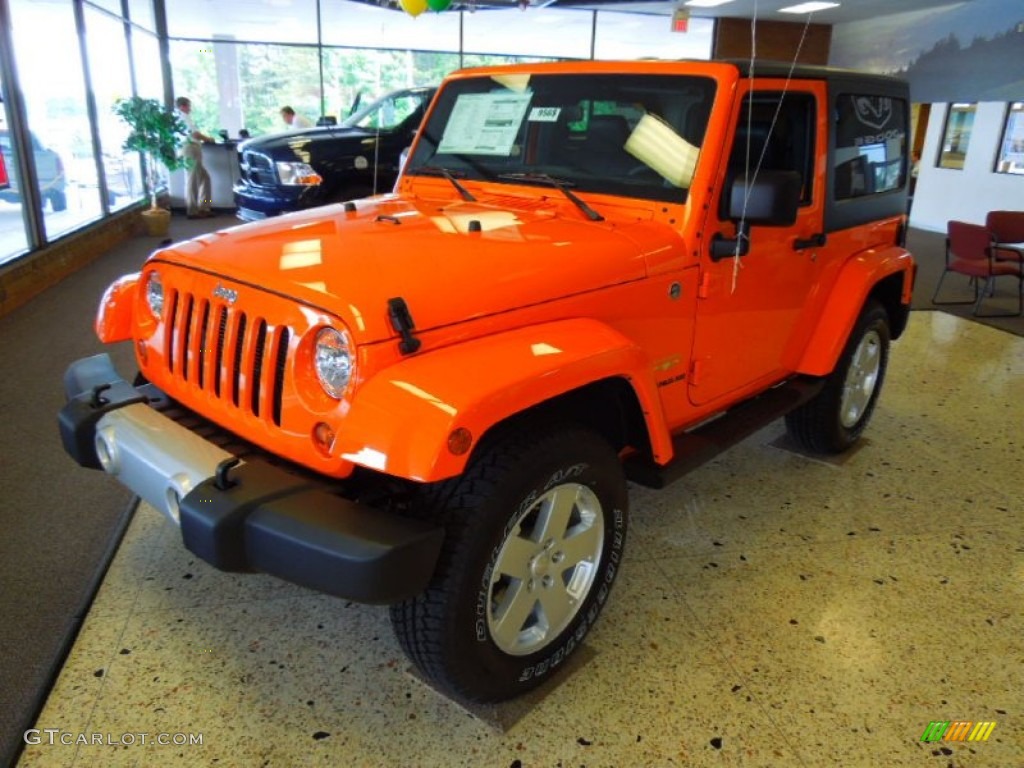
(631, 135)
(388, 112)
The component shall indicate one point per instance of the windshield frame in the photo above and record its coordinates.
(352, 120)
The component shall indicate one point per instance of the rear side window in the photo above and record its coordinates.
(871, 145)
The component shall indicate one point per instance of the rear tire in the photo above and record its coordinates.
(837, 416)
(535, 530)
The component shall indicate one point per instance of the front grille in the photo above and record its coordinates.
(257, 161)
(221, 351)
(257, 169)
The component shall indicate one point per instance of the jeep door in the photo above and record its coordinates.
(751, 309)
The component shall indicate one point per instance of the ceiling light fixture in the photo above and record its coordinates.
(706, 3)
(808, 7)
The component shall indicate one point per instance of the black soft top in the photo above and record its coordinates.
(812, 72)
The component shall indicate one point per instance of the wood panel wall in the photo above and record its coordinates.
(776, 40)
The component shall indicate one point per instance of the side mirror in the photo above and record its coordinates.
(768, 199)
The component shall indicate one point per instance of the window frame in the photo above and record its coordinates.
(1013, 109)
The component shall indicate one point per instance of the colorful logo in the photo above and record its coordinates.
(958, 730)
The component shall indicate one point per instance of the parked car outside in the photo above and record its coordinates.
(49, 167)
(302, 169)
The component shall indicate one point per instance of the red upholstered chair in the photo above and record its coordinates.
(1007, 227)
(969, 252)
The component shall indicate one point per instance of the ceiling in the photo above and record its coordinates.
(849, 10)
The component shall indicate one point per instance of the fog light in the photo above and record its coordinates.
(323, 438)
(174, 504)
(459, 441)
(106, 452)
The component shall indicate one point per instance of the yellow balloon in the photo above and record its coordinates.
(413, 7)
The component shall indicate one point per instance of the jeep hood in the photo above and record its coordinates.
(449, 262)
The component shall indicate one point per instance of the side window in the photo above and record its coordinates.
(871, 145)
(775, 132)
(392, 112)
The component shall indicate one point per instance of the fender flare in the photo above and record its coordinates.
(399, 421)
(857, 278)
(114, 315)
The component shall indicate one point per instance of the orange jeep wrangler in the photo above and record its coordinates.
(589, 273)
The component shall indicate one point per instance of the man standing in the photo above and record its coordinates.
(295, 122)
(197, 192)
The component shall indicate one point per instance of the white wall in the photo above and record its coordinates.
(967, 195)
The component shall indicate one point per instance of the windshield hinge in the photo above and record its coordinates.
(704, 288)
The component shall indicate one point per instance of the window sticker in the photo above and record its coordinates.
(654, 143)
(544, 114)
(484, 123)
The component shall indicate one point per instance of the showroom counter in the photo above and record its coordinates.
(221, 162)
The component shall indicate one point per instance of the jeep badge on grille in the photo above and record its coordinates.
(229, 295)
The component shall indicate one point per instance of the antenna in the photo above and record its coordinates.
(736, 264)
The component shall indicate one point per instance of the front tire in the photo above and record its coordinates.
(837, 416)
(535, 530)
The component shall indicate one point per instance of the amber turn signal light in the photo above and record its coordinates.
(323, 438)
(459, 441)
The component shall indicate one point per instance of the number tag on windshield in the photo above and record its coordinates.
(544, 114)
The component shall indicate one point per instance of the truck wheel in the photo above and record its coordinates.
(535, 530)
(836, 417)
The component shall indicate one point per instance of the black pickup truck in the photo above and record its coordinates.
(314, 166)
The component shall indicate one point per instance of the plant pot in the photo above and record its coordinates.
(157, 221)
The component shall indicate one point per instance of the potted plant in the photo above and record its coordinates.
(158, 133)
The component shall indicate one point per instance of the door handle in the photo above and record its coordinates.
(814, 241)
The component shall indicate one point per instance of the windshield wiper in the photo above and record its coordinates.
(561, 184)
(437, 170)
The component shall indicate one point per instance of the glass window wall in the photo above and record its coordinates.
(358, 25)
(148, 77)
(641, 36)
(141, 13)
(13, 239)
(111, 80)
(280, 21)
(545, 33)
(56, 108)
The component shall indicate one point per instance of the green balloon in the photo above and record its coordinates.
(438, 5)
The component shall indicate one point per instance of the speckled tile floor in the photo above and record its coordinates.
(773, 610)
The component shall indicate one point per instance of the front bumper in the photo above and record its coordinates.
(262, 202)
(237, 511)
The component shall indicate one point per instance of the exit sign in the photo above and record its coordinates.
(680, 20)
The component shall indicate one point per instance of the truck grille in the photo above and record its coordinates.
(223, 351)
(257, 168)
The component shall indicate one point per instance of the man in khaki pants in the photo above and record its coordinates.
(197, 192)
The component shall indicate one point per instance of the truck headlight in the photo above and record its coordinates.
(155, 294)
(297, 174)
(333, 361)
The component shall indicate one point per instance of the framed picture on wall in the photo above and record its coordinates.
(957, 135)
(1011, 149)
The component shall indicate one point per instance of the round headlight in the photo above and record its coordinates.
(155, 294)
(333, 361)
